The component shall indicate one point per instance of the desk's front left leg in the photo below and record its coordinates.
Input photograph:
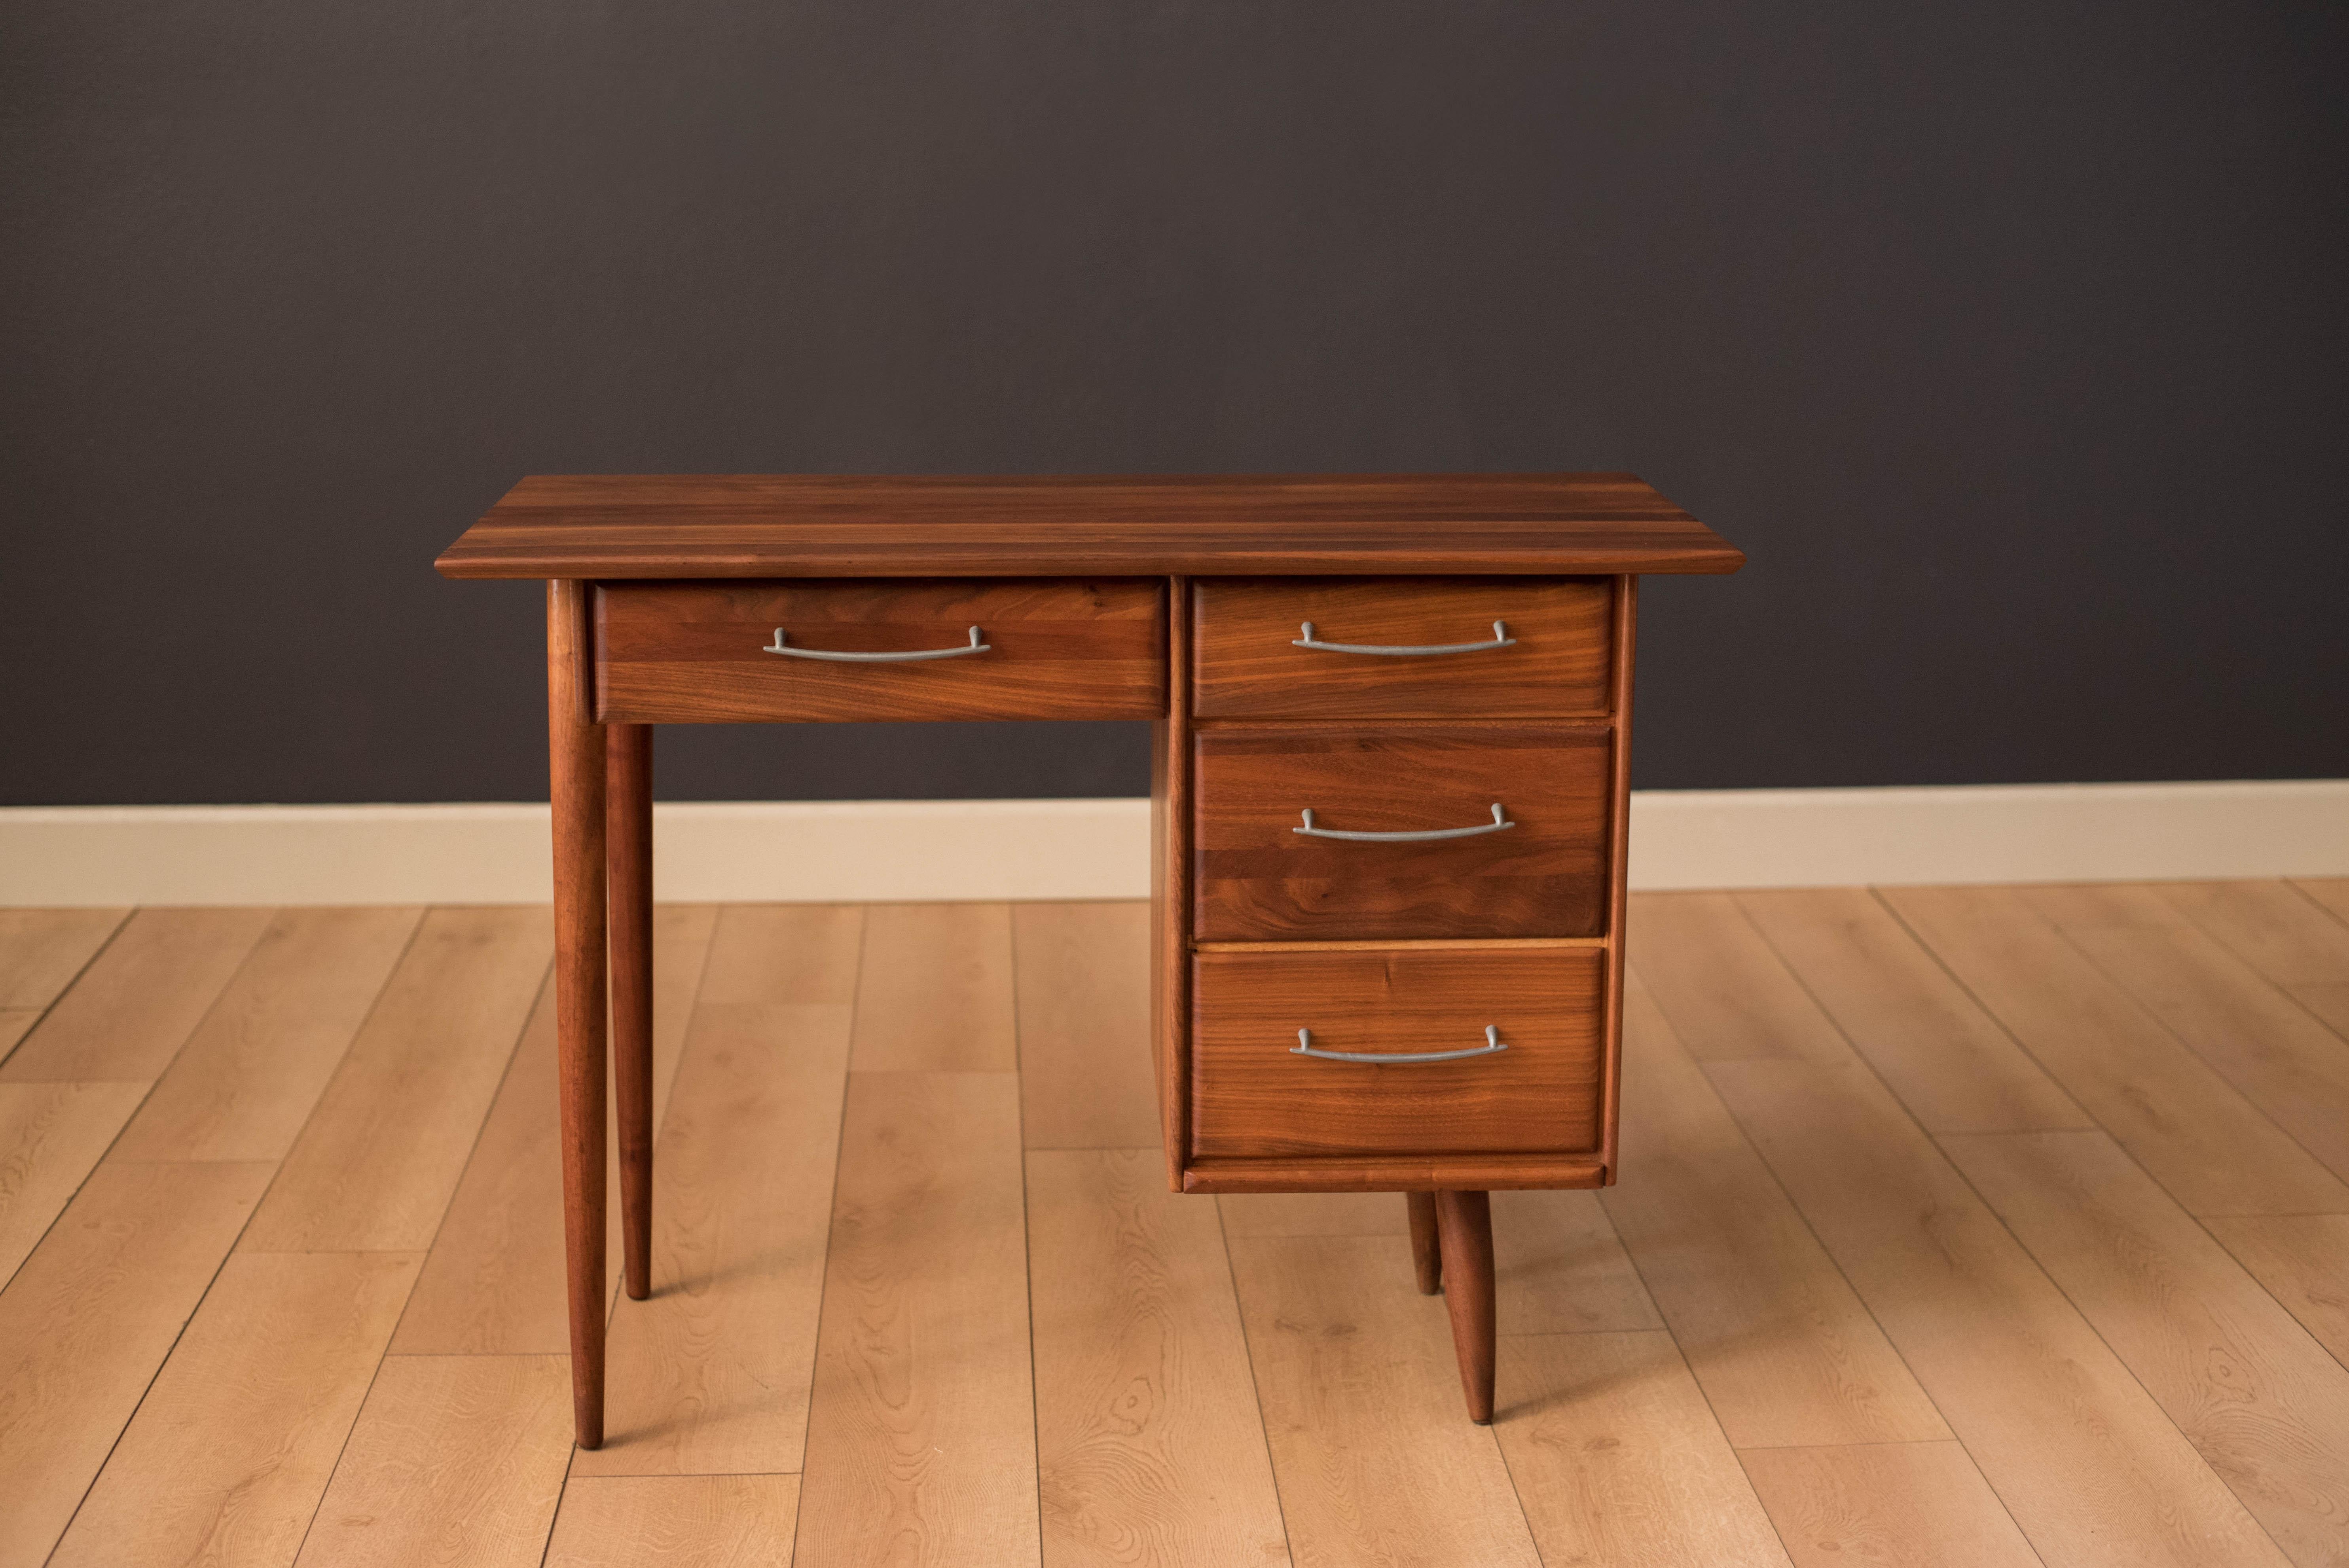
(575, 752)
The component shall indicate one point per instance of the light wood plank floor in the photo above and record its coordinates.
(1973, 1226)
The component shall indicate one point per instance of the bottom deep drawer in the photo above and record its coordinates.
(1254, 1094)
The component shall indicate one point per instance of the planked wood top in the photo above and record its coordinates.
(834, 525)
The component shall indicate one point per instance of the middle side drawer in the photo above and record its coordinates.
(1260, 878)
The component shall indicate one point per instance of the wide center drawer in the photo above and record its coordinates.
(1418, 647)
(752, 652)
(1402, 841)
(1254, 1094)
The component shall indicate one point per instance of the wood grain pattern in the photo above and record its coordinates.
(1559, 1268)
(1150, 1446)
(1886, 1505)
(1252, 1096)
(1171, 829)
(577, 789)
(1260, 879)
(2295, 934)
(241, 1085)
(1249, 666)
(679, 653)
(2304, 1262)
(2329, 1004)
(922, 1433)
(2328, 894)
(1618, 1460)
(455, 1460)
(1426, 1244)
(1081, 980)
(2261, 1402)
(2271, 1048)
(374, 1167)
(934, 993)
(711, 1375)
(1783, 1349)
(675, 1521)
(232, 1448)
(682, 938)
(1394, 1173)
(1618, 890)
(493, 1282)
(1726, 993)
(1949, 1061)
(629, 890)
(138, 1001)
(799, 954)
(2281, 932)
(1464, 1236)
(2214, 1150)
(41, 951)
(2088, 1464)
(1360, 1393)
(1313, 1214)
(51, 1134)
(820, 525)
(90, 1316)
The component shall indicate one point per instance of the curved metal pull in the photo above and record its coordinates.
(1494, 826)
(1305, 1048)
(976, 647)
(1501, 639)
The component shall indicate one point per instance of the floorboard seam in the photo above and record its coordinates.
(1255, 1391)
(108, 1152)
(385, 1355)
(1027, 1230)
(832, 1212)
(41, 1013)
(2000, 1220)
(1792, 1207)
(2145, 1007)
(1681, 1351)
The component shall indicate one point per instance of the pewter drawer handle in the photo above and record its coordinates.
(1304, 1048)
(976, 647)
(1501, 639)
(1494, 826)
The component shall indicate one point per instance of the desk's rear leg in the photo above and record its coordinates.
(1426, 1254)
(629, 855)
(1463, 1222)
(575, 753)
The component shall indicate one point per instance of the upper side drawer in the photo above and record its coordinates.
(702, 653)
(1431, 648)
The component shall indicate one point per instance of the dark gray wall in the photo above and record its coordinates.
(2007, 337)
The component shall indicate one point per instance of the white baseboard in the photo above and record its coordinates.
(888, 850)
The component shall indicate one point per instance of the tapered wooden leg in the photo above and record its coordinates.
(1426, 1256)
(575, 750)
(1464, 1222)
(629, 856)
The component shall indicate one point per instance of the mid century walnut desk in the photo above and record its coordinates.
(1391, 718)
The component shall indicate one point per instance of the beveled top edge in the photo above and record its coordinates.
(834, 525)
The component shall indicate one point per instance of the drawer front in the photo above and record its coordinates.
(1260, 879)
(1253, 1096)
(1556, 666)
(702, 652)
